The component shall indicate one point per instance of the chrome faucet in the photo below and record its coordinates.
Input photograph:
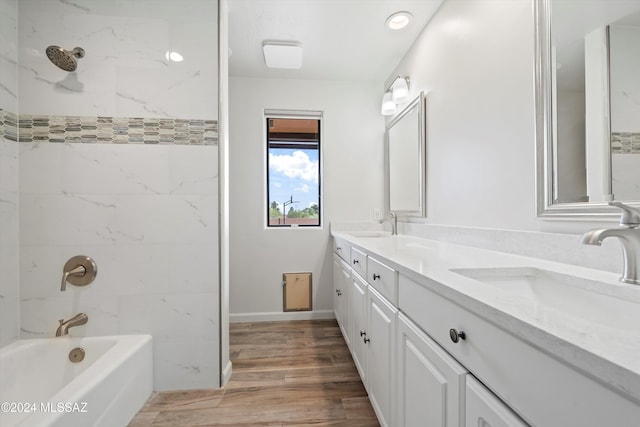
(629, 235)
(77, 320)
(393, 220)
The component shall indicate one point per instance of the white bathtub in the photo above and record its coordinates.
(40, 387)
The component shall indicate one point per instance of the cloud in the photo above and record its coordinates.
(295, 165)
(303, 188)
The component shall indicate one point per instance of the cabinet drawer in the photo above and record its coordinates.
(483, 408)
(383, 279)
(540, 388)
(342, 248)
(359, 262)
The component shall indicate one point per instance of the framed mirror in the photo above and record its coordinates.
(406, 160)
(587, 107)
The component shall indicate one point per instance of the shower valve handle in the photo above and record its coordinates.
(80, 270)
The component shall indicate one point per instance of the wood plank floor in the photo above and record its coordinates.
(297, 373)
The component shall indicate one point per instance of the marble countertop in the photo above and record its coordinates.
(604, 345)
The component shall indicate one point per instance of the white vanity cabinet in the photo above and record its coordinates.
(380, 339)
(372, 332)
(357, 314)
(341, 288)
(430, 384)
(483, 409)
(359, 262)
(431, 355)
(342, 248)
(542, 390)
(383, 279)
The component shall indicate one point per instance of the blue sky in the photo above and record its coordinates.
(293, 172)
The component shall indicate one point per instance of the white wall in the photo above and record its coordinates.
(9, 302)
(147, 214)
(352, 177)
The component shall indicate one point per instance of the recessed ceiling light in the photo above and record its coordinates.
(173, 56)
(398, 20)
(287, 55)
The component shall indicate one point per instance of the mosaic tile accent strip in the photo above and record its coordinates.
(109, 130)
(625, 142)
(8, 125)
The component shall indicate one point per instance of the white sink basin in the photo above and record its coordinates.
(560, 295)
(369, 233)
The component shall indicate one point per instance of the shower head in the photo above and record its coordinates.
(63, 58)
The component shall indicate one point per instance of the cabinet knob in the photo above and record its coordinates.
(338, 248)
(339, 293)
(355, 261)
(456, 336)
(362, 333)
(376, 276)
(366, 340)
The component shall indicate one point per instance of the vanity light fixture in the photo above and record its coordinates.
(398, 20)
(282, 54)
(400, 89)
(395, 94)
(388, 106)
(173, 56)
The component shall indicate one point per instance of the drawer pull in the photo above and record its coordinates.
(338, 248)
(355, 261)
(339, 293)
(376, 276)
(456, 336)
(366, 340)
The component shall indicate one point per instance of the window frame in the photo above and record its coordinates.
(293, 114)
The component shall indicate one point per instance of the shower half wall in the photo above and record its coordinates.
(118, 161)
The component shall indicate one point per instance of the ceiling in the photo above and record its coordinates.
(341, 39)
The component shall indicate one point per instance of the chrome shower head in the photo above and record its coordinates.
(63, 58)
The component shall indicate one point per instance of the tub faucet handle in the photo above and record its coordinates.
(80, 270)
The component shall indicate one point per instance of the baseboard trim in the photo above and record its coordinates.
(279, 316)
(226, 374)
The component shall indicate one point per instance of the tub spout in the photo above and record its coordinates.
(77, 320)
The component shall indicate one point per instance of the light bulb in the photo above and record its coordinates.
(388, 106)
(399, 90)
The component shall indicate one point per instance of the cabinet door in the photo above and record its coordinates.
(341, 288)
(358, 304)
(380, 358)
(430, 383)
(484, 409)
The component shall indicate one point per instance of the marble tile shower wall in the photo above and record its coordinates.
(148, 216)
(118, 161)
(125, 71)
(9, 277)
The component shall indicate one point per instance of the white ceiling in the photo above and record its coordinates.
(341, 39)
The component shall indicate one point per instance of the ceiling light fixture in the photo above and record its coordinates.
(396, 94)
(284, 55)
(398, 20)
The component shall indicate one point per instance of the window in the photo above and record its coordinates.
(293, 171)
